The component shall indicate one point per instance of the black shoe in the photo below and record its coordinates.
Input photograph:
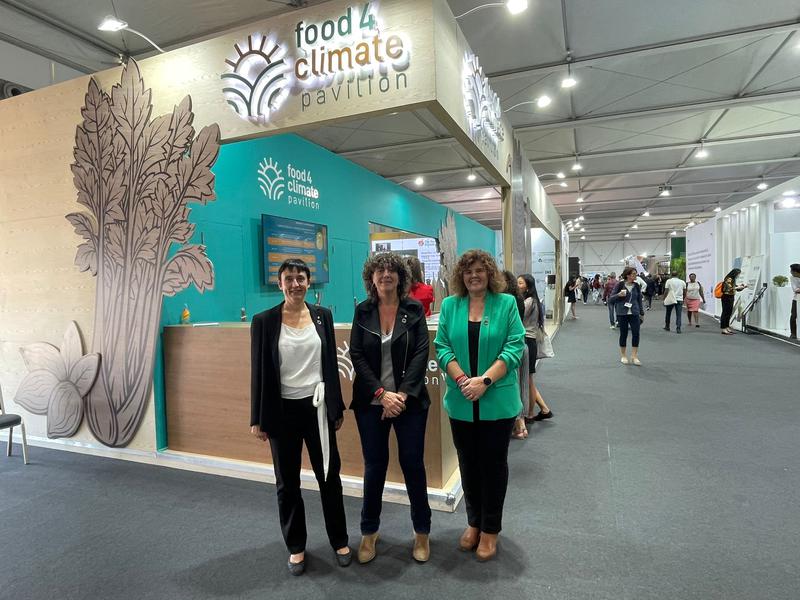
(542, 416)
(666, 328)
(677, 331)
(344, 560)
(296, 569)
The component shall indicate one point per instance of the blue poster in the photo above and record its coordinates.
(289, 238)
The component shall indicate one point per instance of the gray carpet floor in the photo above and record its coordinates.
(678, 479)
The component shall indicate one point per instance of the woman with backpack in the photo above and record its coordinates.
(629, 306)
(727, 292)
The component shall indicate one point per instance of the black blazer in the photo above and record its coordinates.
(266, 404)
(410, 346)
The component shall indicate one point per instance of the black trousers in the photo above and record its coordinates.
(793, 319)
(727, 311)
(301, 426)
(409, 428)
(625, 322)
(482, 448)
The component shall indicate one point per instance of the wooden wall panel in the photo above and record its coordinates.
(208, 405)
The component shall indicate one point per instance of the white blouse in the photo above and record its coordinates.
(300, 352)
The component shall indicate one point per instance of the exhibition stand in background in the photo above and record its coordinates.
(169, 202)
(761, 236)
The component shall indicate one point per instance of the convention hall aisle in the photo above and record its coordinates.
(678, 479)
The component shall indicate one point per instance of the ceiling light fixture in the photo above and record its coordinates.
(674, 233)
(583, 229)
(543, 101)
(583, 237)
(763, 185)
(754, 204)
(634, 226)
(717, 208)
(471, 176)
(112, 23)
(514, 7)
(788, 203)
(562, 184)
(568, 82)
(419, 181)
(560, 175)
(627, 235)
(789, 193)
(579, 199)
(691, 224)
(577, 166)
(580, 218)
(664, 190)
(701, 153)
(646, 213)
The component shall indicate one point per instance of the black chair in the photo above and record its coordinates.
(9, 421)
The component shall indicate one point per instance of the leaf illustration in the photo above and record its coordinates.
(154, 143)
(86, 258)
(84, 373)
(181, 133)
(189, 265)
(71, 347)
(115, 242)
(130, 104)
(34, 392)
(182, 232)
(194, 171)
(64, 411)
(41, 355)
(115, 188)
(84, 224)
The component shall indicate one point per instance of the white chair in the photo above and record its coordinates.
(9, 421)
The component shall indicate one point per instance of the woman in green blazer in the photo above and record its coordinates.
(479, 344)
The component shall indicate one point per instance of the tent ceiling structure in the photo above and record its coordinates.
(648, 93)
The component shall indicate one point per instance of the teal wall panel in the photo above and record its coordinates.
(350, 197)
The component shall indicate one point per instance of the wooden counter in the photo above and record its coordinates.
(207, 382)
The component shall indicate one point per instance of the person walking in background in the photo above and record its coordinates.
(649, 290)
(627, 299)
(479, 345)
(533, 321)
(729, 289)
(296, 398)
(795, 283)
(596, 286)
(608, 289)
(420, 291)
(584, 289)
(673, 299)
(571, 290)
(694, 296)
(389, 349)
(659, 285)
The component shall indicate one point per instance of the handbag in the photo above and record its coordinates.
(544, 346)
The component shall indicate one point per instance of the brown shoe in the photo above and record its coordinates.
(469, 539)
(422, 547)
(487, 548)
(367, 548)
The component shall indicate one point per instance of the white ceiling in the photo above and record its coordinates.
(654, 79)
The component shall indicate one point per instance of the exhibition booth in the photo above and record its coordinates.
(760, 236)
(194, 188)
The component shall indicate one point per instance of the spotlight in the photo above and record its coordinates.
(583, 237)
(560, 175)
(472, 177)
(563, 184)
(583, 229)
(568, 82)
(646, 213)
(634, 226)
(516, 6)
(789, 193)
(691, 224)
(419, 181)
(627, 235)
(579, 199)
(763, 185)
(111, 23)
(674, 233)
(543, 101)
(664, 190)
(717, 209)
(577, 166)
(701, 153)
(580, 218)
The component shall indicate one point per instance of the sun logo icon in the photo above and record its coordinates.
(271, 180)
(257, 84)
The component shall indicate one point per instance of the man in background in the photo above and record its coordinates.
(673, 299)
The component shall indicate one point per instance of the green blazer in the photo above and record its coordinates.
(502, 336)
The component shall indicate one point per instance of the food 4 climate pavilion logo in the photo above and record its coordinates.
(482, 104)
(259, 78)
(270, 179)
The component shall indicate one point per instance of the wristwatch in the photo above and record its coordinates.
(487, 381)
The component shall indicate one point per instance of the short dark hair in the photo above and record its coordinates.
(627, 271)
(415, 268)
(386, 260)
(511, 283)
(294, 264)
(795, 267)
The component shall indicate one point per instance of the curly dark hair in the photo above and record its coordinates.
(386, 260)
(496, 282)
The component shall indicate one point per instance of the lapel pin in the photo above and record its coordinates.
(403, 321)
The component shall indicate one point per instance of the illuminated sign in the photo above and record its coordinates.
(298, 182)
(482, 105)
(335, 60)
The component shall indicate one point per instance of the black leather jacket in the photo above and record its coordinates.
(410, 346)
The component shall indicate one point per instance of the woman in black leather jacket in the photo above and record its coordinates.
(389, 350)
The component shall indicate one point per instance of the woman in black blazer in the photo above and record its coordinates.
(296, 398)
(389, 350)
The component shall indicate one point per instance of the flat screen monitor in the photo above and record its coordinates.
(289, 238)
